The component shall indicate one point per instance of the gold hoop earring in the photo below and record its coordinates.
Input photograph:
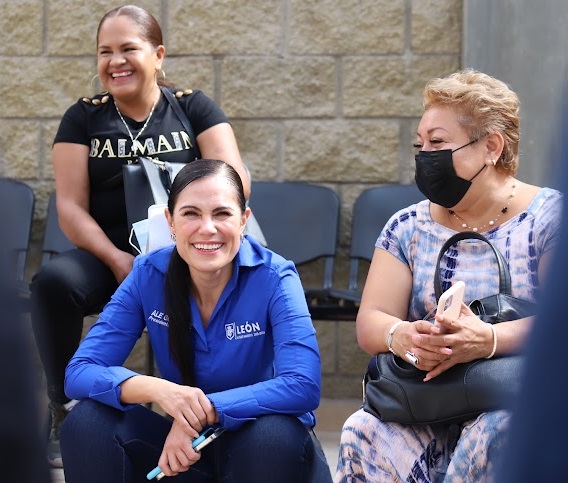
(93, 82)
(162, 73)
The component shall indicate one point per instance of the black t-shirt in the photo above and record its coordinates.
(95, 123)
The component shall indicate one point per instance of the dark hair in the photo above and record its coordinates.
(177, 283)
(149, 27)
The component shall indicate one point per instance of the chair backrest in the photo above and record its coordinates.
(16, 212)
(54, 240)
(371, 211)
(299, 220)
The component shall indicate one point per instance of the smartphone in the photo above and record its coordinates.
(450, 301)
(206, 437)
(209, 435)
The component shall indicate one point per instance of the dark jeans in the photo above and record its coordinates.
(100, 443)
(68, 288)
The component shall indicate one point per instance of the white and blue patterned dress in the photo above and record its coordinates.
(373, 451)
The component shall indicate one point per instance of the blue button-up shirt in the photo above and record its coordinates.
(258, 354)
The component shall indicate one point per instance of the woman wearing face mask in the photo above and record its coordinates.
(467, 158)
(97, 135)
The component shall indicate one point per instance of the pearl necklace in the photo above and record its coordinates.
(135, 138)
(492, 222)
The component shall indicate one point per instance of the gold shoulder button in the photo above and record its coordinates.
(178, 94)
(97, 100)
(187, 92)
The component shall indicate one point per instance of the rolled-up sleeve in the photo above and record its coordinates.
(95, 371)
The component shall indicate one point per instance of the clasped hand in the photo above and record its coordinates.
(440, 345)
(192, 412)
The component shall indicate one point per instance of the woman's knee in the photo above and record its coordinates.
(276, 434)
(62, 274)
(277, 445)
(271, 437)
(358, 423)
(74, 276)
(51, 280)
(488, 430)
(116, 441)
(275, 427)
(92, 418)
(87, 418)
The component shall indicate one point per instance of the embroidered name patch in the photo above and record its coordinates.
(159, 318)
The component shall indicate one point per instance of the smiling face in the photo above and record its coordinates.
(126, 62)
(208, 222)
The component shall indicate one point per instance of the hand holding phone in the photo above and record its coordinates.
(198, 444)
(450, 301)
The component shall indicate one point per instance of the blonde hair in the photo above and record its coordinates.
(483, 105)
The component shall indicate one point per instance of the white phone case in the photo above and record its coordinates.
(450, 301)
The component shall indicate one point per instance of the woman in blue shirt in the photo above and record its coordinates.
(233, 342)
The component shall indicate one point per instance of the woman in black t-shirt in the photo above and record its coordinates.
(95, 138)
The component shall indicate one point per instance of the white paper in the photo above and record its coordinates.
(159, 234)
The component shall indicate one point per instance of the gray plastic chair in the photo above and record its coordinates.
(371, 211)
(16, 212)
(300, 221)
(54, 240)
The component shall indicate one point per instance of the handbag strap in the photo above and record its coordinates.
(182, 117)
(116, 180)
(152, 170)
(504, 275)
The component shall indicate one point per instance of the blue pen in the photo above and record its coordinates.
(198, 443)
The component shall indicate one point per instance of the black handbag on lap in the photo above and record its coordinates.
(394, 390)
(495, 308)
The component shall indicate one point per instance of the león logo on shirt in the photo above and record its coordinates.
(243, 331)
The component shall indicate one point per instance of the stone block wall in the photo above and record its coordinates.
(324, 91)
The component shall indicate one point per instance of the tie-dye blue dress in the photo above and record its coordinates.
(373, 451)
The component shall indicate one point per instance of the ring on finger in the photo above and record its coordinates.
(411, 357)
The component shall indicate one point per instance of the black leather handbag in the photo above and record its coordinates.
(495, 308)
(394, 389)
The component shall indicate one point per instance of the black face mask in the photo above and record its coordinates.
(437, 179)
